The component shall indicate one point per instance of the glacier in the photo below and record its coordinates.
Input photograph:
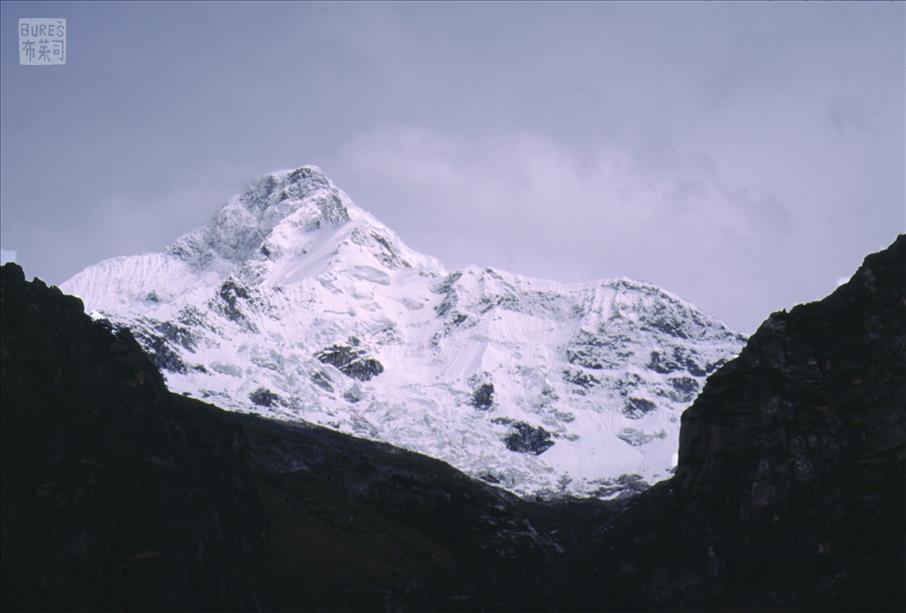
(296, 304)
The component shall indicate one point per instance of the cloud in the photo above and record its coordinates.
(137, 221)
(534, 206)
(7, 255)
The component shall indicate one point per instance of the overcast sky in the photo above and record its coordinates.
(743, 156)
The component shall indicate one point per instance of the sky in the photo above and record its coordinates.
(745, 156)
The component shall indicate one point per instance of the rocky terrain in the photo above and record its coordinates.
(296, 304)
(790, 491)
(791, 486)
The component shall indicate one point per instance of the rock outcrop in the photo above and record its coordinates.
(791, 487)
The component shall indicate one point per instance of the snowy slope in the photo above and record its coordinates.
(296, 304)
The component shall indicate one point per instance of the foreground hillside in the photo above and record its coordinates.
(117, 494)
(791, 486)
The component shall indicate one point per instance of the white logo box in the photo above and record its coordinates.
(42, 41)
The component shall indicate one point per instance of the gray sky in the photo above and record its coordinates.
(743, 156)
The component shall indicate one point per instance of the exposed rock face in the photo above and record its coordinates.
(351, 361)
(636, 408)
(483, 396)
(263, 397)
(528, 439)
(792, 468)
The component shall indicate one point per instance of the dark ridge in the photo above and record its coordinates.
(790, 492)
(118, 495)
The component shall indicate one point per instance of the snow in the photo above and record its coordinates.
(291, 266)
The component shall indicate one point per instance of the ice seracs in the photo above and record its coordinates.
(294, 303)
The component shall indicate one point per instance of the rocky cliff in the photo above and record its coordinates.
(791, 487)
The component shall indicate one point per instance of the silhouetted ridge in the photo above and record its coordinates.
(790, 492)
(118, 495)
(790, 488)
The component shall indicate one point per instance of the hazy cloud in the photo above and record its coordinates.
(531, 205)
(742, 155)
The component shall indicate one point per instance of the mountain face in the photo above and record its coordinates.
(790, 493)
(293, 303)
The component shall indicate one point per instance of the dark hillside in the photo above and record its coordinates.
(117, 495)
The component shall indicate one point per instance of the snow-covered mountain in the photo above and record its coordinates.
(296, 304)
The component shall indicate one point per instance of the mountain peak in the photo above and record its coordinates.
(294, 303)
(282, 193)
(303, 199)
